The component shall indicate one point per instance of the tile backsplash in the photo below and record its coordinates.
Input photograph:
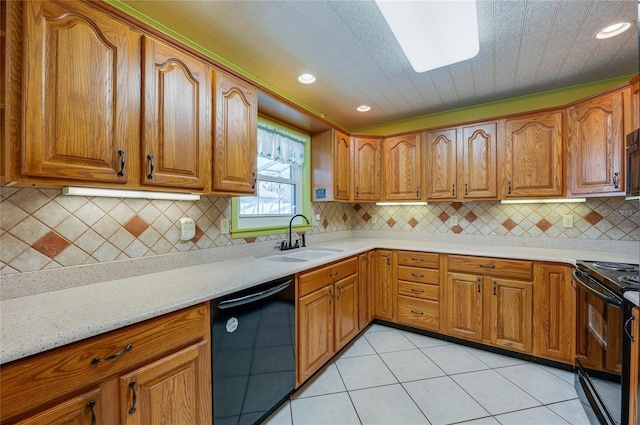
(43, 229)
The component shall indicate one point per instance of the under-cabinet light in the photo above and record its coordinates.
(401, 203)
(433, 34)
(544, 201)
(632, 198)
(136, 194)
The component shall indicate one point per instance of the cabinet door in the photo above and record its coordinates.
(176, 139)
(365, 292)
(235, 145)
(77, 114)
(367, 169)
(596, 146)
(315, 331)
(402, 168)
(533, 156)
(346, 310)
(479, 177)
(512, 314)
(165, 392)
(384, 285)
(634, 367)
(464, 306)
(442, 162)
(633, 121)
(342, 166)
(554, 314)
(81, 410)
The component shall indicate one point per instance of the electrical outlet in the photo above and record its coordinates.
(453, 220)
(374, 218)
(317, 217)
(567, 221)
(187, 228)
(224, 226)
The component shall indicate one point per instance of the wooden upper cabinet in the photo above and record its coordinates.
(76, 112)
(331, 166)
(479, 163)
(596, 145)
(235, 144)
(366, 173)
(632, 114)
(176, 140)
(402, 174)
(442, 146)
(533, 156)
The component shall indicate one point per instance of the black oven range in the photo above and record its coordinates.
(599, 378)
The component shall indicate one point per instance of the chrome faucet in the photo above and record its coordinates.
(283, 245)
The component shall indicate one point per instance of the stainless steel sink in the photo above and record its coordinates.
(302, 255)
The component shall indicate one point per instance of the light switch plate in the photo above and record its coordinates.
(453, 220)
(224, 226)
(374, 219)
(187, 228)
(567, 221)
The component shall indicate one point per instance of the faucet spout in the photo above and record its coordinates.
(291, 221)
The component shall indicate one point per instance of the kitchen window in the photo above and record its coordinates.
(282, 183)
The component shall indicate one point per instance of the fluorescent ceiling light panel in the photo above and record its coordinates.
(137, 194)
(544, 201)
(433, 33)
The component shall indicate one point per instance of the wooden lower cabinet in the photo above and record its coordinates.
(327, 309)
(154, 372)
(463, 297)
(511, 314)
(366, 302)
(384, 284)
(554, 313)
(418, 286)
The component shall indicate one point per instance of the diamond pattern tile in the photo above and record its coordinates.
(51, 244)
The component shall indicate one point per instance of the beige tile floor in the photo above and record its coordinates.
(387, 376)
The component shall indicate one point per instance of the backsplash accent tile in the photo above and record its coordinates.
(43, 229)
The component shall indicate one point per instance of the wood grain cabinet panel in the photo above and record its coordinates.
(442, 163)
(77, 116)
(176, 141)
(384, 284)
(533, 157)
(346, 310)
(315, 331)
(235, 144)
(424, 314)
(512, 314)
(331, 165)
(84, 409)
(463, 297)
(402, 173)
(367, 169)
(596, 146)
(365, 291)
(479, 162)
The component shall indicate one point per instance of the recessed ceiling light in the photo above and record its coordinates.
(363, 108)
(306, 78)
(613, 30)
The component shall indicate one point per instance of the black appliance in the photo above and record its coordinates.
(631, 388)
(253, 352)
(633, 164)
(599, 379)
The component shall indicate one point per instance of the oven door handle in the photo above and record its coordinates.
(591, 285)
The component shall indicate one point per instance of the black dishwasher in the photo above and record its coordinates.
(253, 352)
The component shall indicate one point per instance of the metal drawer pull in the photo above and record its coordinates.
(150, 158)
(417, 291)
(334, 274)
(93, 413)
(509, 187)
(616, 179)
(134, 398)
(128, 348)
(466, 189)
(417, 275)
(417, 259)
(419, 313)
(121, 172)
(339, 293)
(478, 283)
(417, 191)
(626, 327)
(255, 180)
(453, 190)
(494, 287)
(487, 266)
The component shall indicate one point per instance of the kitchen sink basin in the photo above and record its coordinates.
(302, 255)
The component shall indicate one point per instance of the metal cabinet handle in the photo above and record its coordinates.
(96, 360)
(626, 327)
(417, 275)
(388, 259)
(255, 180)
(134, 397)
(420, 260)
(478, 284)
(466, 189)
(487, 266)
(509, 187)
(339, 293)
(357, 192)
(616, 180)
(330, 296)
(494, 287)
(334, 274)
(367, 258)
(453, 190)
(417, 291)
(150, 158)
(337, 188)
(90, 406)
(417, 191)
(121, 172)
(418, 313)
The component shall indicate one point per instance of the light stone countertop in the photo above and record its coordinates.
(633, 296)
(36, 323)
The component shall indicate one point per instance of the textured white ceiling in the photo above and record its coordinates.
(526, 46)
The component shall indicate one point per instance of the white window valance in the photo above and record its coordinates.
(280, 145)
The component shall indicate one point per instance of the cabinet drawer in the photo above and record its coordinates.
(423, 314)
(418, 259)
(419, 290)
(57, 373)
(312, 281)
(517, 269)
(416, 274)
